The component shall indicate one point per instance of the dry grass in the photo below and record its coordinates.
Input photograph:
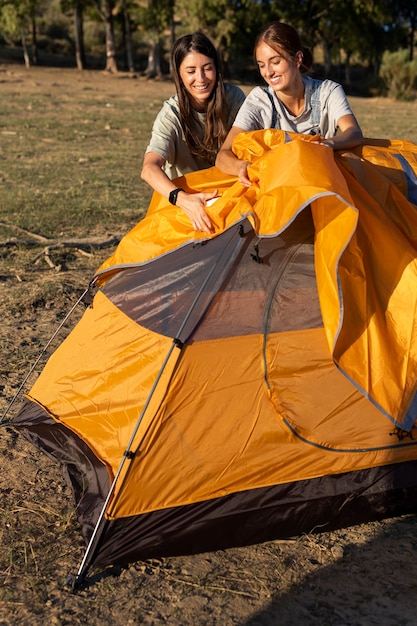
(71, 150)
(383, 118)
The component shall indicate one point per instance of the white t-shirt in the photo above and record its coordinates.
(256, 112)
(168, 141)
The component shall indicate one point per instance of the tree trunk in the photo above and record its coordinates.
(79, 35)
(111, 62)
(128, 38)
(154, 59)
(327, 50)
(35, 58)
(24, 47)
(413, 24)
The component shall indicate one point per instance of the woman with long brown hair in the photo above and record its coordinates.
(192, 125)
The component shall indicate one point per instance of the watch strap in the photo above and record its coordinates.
(174, 194)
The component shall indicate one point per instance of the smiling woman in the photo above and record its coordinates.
(292, 101)
(191, 125)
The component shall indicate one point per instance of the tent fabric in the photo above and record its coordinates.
(254, 383)
(373, 299)
(257, 515)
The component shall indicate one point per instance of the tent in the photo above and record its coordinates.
(250, 385)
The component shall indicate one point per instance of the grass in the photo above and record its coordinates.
(382, 118)
(70, 162)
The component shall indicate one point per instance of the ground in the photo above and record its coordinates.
(359, 576)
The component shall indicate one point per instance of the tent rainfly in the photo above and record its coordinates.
(253, 384)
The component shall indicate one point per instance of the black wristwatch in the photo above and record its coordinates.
(173, 195)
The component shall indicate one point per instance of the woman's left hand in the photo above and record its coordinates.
(193, 204)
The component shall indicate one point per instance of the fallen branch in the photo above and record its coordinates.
(45, 255)
(81, 244)
(34, 239)
(35, 236)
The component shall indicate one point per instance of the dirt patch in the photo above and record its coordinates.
(360, 576)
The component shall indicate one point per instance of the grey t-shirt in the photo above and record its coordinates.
(168, 141)
(256, 112)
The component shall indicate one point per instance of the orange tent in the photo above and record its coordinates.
(253, 384)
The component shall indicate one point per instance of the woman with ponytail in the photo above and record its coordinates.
(292, 101)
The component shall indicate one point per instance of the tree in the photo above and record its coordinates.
(364, 27)
(17, 17)
(155, 19)
(127, 37)
(346, 29)
(79, 34)
(381, 30)
(406, 12)
(105, 9)
(230, 24)
(78, 7)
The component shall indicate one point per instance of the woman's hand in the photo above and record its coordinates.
(243, 174)
(229, 163)
(194, 206)
(349, 136)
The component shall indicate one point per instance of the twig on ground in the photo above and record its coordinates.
(83, 246)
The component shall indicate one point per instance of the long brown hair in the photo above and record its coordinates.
(280, 36)
(215, 129)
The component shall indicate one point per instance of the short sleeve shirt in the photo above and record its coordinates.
(168, 140)
(256, 112)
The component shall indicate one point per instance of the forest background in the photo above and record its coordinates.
(368, 45)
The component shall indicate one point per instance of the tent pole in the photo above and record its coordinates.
(78, 579)
(83, 569)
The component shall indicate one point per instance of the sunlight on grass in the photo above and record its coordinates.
(381, 118)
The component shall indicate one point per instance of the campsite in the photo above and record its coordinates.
(71, 150)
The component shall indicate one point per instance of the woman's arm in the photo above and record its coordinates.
(350, 134)
(193, 204)
(228, 162)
